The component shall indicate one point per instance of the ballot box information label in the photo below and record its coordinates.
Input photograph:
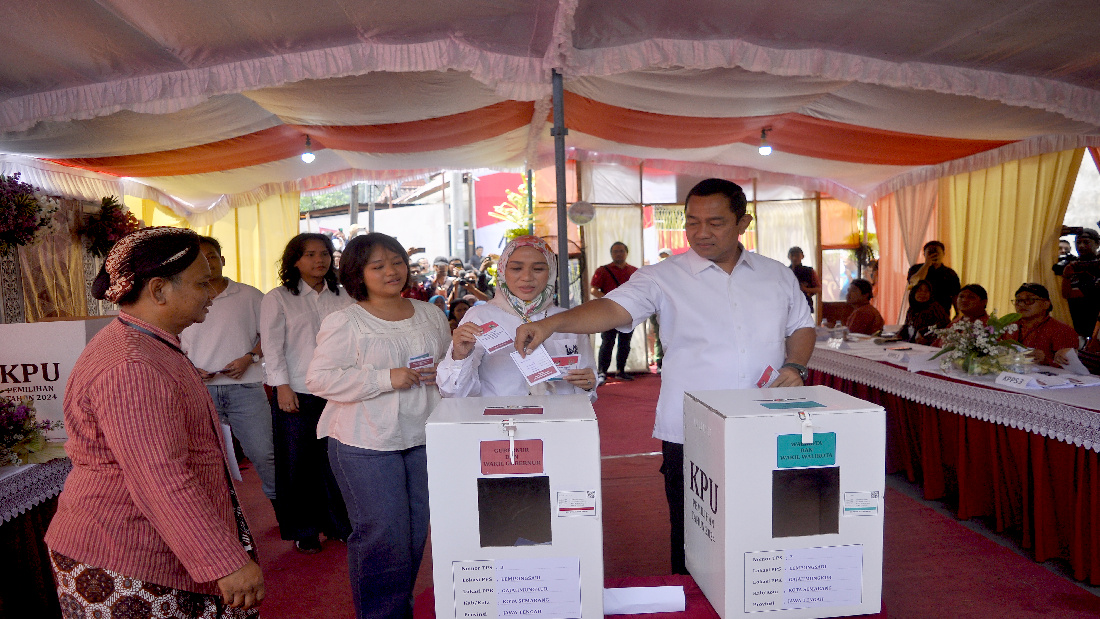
(862, 503)
(547, 587)
(523, 457)
(803, 578)
(792, 453)
(576, 503)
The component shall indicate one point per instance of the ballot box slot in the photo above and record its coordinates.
(514, 511)
(805, 501)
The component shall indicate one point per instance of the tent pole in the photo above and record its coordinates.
(530, 204)
(559, 132)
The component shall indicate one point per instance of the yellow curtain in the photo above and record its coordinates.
(1001, 225)
(252, 237)
(52, 269)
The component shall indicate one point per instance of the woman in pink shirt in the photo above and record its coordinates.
(148, 522)
(865, 318)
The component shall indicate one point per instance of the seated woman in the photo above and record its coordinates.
(924, 315)
(865, 318)
(374, 363)
(971, 304)
(1036, 329)
(526, 274)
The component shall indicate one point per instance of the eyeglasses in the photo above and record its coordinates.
(1027, 301)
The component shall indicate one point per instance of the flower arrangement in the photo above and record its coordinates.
(103, 229)
(978, 348)
(22, 212)
(514, 211)
(21, 434)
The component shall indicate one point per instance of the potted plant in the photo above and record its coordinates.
(102, 230)
(21, 213)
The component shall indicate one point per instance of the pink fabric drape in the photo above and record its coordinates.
(905, 221)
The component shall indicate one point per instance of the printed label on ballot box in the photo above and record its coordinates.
(496, 457)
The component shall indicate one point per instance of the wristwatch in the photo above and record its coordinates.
(802, 370)
(255, 358)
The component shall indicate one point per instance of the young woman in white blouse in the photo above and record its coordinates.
(526, 273)
(375, 364)
(307, 499)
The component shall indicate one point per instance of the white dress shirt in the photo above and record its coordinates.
(351, 369)
(288, 328)
(481, 374)
(230, 331)
(719, 330)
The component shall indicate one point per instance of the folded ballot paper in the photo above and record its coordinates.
(639, 600)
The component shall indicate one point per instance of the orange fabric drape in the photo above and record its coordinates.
(286, 141)
(790, 133)
(892, 264)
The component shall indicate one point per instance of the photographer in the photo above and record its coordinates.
(1081, 282)
(465, 283)
(1065, 256)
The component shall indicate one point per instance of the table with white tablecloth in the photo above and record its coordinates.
(1026, 459)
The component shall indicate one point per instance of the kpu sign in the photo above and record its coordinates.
(37, 358)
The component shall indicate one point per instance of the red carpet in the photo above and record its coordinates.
(935, 567)
(625, 411)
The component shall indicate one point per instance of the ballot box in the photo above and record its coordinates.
(783, 504)
(516, 508)
(36, 359)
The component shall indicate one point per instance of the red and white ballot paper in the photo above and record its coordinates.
(493, 338)
(537, 367)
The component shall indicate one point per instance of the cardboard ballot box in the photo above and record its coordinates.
(516, 511)
(36, 360)
(783, 504)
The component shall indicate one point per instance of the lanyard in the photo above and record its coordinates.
(154, 335)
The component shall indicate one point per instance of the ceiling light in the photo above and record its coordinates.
(308, 156)
(765, 148)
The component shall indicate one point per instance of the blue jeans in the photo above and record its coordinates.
(387, 497)
(244, 407)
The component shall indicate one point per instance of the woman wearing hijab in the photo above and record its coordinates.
(924, 315)
(527, 270)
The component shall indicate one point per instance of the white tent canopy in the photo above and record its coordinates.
(204, 105)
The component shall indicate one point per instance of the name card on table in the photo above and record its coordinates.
(1016, 381)
(898, 356)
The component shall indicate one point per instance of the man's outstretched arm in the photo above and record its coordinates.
(596, 316)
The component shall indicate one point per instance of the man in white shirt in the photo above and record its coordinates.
(726, 316)
(226, 350)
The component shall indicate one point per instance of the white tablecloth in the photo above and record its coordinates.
(21, 488)
(1070, 415)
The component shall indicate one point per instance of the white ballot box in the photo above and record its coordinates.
(36, 359)
(783, 501)
(516, 511)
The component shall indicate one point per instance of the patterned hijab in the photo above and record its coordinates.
(543, 299)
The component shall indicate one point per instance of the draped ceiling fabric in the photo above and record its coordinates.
(203, 106)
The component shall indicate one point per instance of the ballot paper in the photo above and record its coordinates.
(638, 600)
(537, 367)
(420, 362)
(566, 363)
(1075, 364)
(493, 338)
(234, 469)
